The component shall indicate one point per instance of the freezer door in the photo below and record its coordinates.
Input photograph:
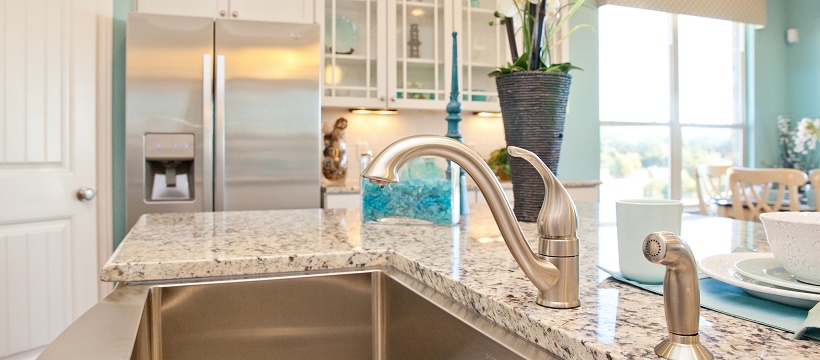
(267, 116)
(169, 68)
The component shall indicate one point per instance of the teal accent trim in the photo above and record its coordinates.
(121, 10)
(453, 120)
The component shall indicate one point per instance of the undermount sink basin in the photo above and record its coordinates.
(370, 314)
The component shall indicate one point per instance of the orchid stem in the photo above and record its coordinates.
(531, 30)
(533, 14)
(536, 54)
(511, 39)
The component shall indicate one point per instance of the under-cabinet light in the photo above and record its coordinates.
(375, 111)
(487, 114)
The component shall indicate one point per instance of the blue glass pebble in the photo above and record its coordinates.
(425, 192)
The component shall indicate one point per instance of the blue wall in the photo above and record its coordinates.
(804, 58)
(786, 78)
(768, 89)
(580, 151)
(121, 9)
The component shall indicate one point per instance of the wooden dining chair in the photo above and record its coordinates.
(711, 184)
(751, 188)
(814, 179)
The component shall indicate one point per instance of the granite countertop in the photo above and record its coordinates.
(469, 262)
(352, 186)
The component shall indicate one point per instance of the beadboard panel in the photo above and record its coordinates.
(34, 74)
(35, 284)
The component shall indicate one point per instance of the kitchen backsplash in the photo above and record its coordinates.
(375, 132)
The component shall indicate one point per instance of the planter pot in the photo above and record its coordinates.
(534, 106)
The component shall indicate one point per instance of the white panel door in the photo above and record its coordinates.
(48, 246)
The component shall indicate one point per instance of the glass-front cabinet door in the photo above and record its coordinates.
(354, 60)
(482, 49)
(419, 50)
(398, 53)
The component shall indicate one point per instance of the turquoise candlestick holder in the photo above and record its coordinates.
(428, 191)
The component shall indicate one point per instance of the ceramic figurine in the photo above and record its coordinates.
(334, 160)
(414, 42)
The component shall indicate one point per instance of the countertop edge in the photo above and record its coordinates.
(259, 265)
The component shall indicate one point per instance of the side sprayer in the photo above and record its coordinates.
(681, 296)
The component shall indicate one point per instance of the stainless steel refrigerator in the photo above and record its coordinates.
(221, 115)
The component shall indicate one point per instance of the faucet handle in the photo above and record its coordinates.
(558, 218)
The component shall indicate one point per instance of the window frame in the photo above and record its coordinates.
(674, 124)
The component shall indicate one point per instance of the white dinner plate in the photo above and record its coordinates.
(768, 269)
(722, 268)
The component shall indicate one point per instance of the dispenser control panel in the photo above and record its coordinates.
(169, 146)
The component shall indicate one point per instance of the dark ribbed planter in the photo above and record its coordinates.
(533, 105)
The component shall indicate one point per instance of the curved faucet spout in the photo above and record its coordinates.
(384, 169)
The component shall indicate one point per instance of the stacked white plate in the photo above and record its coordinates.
(761, 275)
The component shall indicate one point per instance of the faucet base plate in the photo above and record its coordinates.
(559, 304)
(683, 348)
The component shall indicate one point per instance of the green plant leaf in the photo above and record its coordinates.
(553, 23)
(562, 67)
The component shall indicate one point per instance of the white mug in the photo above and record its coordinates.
(635, 220)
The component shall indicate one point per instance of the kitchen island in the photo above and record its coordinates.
(469, 263)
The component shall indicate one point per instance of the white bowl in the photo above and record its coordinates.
(795, 241)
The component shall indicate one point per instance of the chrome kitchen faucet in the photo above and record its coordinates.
(554, 270)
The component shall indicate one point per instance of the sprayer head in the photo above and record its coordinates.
(665, 248)
(654, 247)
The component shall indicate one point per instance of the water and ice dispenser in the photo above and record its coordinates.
(169, 167)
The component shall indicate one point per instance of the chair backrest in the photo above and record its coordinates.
(814, 179)
(751, 188)
(711, 184)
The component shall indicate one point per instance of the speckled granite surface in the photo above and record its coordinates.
(469, 262)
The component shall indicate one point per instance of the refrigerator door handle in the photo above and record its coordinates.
(207, 134)
(219, 138)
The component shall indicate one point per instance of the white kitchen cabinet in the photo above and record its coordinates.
(482, 49)
(398, 53)
(341, 201)
(263, 10)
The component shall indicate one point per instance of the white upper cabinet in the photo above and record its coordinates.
(300, 11)
(354, 55)
(398, 53)
(482, 49)
(262, 10)
(203, 8)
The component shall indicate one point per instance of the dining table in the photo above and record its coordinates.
(723, 206)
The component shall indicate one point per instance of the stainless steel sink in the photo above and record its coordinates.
(372, 314)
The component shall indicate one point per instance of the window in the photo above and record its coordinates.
(671, 98)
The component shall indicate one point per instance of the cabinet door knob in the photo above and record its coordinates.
(392, 99)
(85, 193)
(235, 14)
(381, 98)
(222, 12)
